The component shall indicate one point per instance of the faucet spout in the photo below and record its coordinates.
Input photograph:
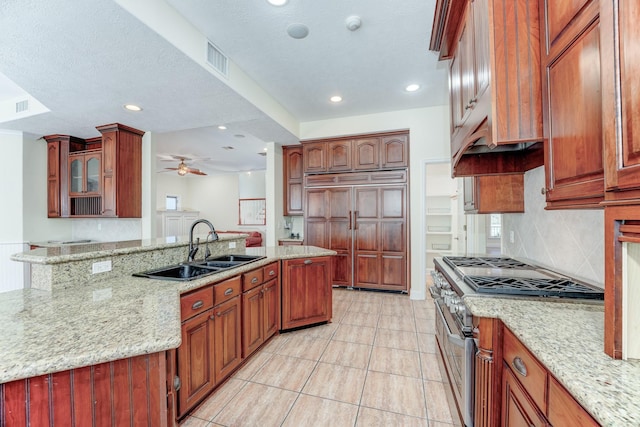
(194, 248)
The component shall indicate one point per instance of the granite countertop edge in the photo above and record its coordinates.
(568, 339)
(143, 316)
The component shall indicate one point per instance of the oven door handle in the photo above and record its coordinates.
(453, 338)
(433, 292)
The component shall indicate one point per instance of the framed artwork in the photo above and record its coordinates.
(252, 212)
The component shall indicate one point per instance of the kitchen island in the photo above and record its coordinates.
(568, 339)
(79, 319)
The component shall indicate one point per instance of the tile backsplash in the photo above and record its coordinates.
(567, 241)
(107, 229)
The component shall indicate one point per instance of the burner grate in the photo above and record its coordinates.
(491, 262)
(533, 287)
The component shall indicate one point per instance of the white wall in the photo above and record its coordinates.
(568, 241)
(172, 184)
(429, 140)
(216, 197)
(251, 185)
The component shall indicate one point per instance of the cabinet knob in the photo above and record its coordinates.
(519, 366)
(543, 191)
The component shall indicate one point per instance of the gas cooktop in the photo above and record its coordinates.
(508, 276)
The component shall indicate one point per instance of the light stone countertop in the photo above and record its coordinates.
(113, 318)
(568, 339)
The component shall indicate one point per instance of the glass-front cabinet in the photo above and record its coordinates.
(84, 173)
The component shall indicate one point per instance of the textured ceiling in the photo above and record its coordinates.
(84, 60)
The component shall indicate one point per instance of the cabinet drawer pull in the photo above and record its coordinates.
(519, 366)
(272, 273)
(254, 280)
(308, 261)
(198, 304)
(228, 291)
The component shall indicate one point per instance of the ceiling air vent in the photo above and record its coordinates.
(22, 106)
(217, 59)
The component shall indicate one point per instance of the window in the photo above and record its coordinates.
(171, 203)
(495, 229)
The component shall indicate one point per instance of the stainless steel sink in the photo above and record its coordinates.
(198, 269)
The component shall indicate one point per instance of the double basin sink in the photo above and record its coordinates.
(198, 269)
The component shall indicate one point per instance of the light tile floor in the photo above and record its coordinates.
(374, 365)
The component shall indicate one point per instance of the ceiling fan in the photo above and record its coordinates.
(183, 169)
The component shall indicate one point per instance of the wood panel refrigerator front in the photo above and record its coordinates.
(367, 227)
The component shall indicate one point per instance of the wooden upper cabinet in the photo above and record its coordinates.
(619, 38)
(339, 156)
(389, 150)
(495, 83)
(494, 194)
(366, 154)
(394, 152)
(293, 180)
(572, 106)
(315, 157)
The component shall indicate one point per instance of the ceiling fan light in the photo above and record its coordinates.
(182, 169)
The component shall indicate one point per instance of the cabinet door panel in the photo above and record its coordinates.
(306, 292)
(271, 299)
(367, 203)
(227, 337)
(564, 410)
(316, 201)
(573, 155)
(559, 14)
(392, 202)
(253, 318)
(366, 154)
(393, 237)
(394, 270)
(517, 408)
(367, 273)
(367, 237)
(195, 361)
(339, 156)
(315, 157)
(394, 152)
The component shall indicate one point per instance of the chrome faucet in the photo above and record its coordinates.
(193, 249)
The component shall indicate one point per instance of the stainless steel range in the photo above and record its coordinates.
(455, 277)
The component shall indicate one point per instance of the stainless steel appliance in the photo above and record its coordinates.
(455, 277)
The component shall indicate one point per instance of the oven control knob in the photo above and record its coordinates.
(457, 307)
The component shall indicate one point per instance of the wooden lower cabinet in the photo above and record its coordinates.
(227, 332)
(195, 361)
(260, 307)
(253, 315)
(517, 407)
(306, 291)
(128, 391)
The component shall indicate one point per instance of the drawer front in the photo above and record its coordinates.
(529, 372)
(226, 290)
(270, 271)
(196, 302)
(564, 410)
(252, 279)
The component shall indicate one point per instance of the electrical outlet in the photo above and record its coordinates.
(101, 267)
(232, 245)
(512, 237)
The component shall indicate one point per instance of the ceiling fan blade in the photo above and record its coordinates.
(196, 171)
(172, 169)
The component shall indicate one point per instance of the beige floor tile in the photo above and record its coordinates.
(195, 422)
(403, 340)
(253, 365)
(325, 331)
(424, 312)
(397, 323)
(394, 393)
(392, 309)
(315, 411)
(430, 368)
(427, 343)
(214, 404)
(361, 319)
(285, 372)
(257, 405)
(365, 307)
(368, 417)
(426, 326)
(437, 405)
(394, 361)
(303, 346)
(336, 382)
(357, 334)
(347, 354)
(439, 424)
(274, 343)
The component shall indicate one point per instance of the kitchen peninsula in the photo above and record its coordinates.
(109, 324)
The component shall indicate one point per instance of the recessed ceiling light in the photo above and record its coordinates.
(132, 107)
(264, 149)
(412, 87)
(336, 98)
(222, 127)
(298, 31)
(278, 2)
